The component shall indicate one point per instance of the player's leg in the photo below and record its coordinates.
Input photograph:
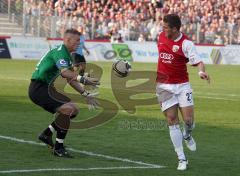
(171, 115)
(176, 135)
(63, 110)
(38, 93)
(169, 106)
(62, 123)
(188, 118)
(46, 135)
(185, 99)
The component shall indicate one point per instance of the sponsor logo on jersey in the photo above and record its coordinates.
(175, 48)
(166, 56)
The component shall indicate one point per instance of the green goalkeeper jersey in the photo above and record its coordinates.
(49, 66)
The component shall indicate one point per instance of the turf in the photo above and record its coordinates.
(142, 136)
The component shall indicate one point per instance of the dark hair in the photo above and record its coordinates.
(173, 20)
(72, 31)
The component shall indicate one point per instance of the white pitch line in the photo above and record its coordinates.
(217, 94)
(75, 169)
(217, 98)
(116, 158)
(85, 152)
(20, 140)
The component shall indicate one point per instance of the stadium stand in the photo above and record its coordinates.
(206, 21)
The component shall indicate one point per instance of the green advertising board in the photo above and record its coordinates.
(123, 52)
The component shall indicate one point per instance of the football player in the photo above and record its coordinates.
(173, 88)
(41, 92)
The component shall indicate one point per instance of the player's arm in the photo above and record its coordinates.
(190, 51)
(75, 84)
(202, 73)
(64, 66)
(74, 77)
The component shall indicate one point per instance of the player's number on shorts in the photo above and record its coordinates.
(189, 96)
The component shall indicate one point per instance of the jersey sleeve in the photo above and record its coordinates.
(61, 59)
(190, 51)
(62, 63)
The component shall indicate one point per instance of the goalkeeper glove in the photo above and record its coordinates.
(91, 101)
(88, 80)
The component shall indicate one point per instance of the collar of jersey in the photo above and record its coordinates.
(179, 37)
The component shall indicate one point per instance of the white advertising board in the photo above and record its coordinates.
(144, 52)
(98, 51)
(27, 48)
(138, 52)
(231, 54)
(35, 48)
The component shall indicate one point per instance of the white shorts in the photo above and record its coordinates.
(171, 94)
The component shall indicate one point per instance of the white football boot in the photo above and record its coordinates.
(182, 165)
(190, 143)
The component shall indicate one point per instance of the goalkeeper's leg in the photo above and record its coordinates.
(60, 125)
(62, 122)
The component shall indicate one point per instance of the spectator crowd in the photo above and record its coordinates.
(205, 21)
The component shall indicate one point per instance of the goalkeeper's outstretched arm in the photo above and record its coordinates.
(72, 76)
(74, 80)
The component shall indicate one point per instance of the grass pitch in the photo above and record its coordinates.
(142, 136)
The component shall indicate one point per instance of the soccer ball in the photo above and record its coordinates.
(121, 68)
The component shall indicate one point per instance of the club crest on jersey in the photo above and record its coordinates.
(63, 62)
(175, 48)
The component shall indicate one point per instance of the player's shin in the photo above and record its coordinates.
(188, 128)
(177, 137)
(49, 130)
(62, 123)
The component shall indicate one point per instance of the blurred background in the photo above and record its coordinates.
(120, 29)
(205, 21)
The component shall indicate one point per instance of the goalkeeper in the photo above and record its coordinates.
(54, 62)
